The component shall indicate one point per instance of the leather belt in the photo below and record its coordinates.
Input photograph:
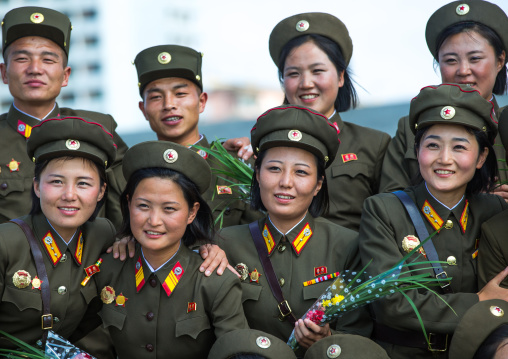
(413, 339)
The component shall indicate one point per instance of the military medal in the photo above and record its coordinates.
(91, 270)
(21, 279)
(320, 271)
(224, 190)
(13, 165)
(320, 279)
(173, 278)
(120, 300)
(107, 295)
(242, 270)
(191, 307)
(254, 276)
(410, 242)
(36, 283)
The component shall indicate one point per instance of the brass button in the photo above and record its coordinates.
(64, 258)
(449, 224)
(451, 260)
(62, 290)
(281, 248)
(281, 282)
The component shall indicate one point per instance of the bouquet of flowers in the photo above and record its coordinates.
(351, 291)
(56, 348)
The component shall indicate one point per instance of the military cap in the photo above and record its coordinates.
(452, 103)
(168, 61)
(36, 21)
(71, 136)
(296, 126)
(250, 341)
(310, 23)
(169, 155)
(476, 325)
(479, 11)
(345, 346)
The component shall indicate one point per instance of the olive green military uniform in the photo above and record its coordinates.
(184, 322)
(400, 166)
(355, 173)
(250, 342)
(476, 326)
(21, 308)
(346, 346)
(16, 185)
(329, 249)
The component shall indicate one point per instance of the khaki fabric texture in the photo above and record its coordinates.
(346, 346)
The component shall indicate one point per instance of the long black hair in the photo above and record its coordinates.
(490, 345)
(347, 96)
(200, 229)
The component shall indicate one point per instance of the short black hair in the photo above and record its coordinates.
(500, 86)
(320, 202)
(491, 344)
(201, 229)
(347, 96)
(40, 166)
(484, 179)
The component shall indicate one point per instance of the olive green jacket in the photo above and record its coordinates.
(330, 249)
(16, 186)
(21, 308)
(355, 173)
(385, 223)
(400, 166)
(184, 324)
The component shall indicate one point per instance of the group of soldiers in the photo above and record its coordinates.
(36, 47)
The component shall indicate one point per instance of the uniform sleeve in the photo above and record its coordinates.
(493, 250)
(385, 142)
(397, 170)
(227, 310)
(377, 242)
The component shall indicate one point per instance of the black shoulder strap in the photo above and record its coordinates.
(271, 277)
(422, 232)
(47, 317)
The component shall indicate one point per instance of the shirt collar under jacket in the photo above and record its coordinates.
(38, 119)
(155, 270)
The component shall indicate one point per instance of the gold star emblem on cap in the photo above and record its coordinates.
(447, 112)
(295, 135)
(36, 18)
(333, 351)
(462, 9)
(302, 25)
(164, 58)
(170, 156)
(72, 144)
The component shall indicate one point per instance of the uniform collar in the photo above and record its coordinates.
(22, 123)
(436, 213)
(203, 142)
(168, 275)
(299, 236)
(496, 106)
(54, 246)
(337, 122)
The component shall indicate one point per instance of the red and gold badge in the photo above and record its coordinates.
(224, 190)
(191, 307)
(120, 300)
(107, 295)
(254, 276)
(36, 283)
(21, 279)
(320, 271)
(13, 165)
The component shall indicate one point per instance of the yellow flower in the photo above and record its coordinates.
(337, 299)
(326, 303)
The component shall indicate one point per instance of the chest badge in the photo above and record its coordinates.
(243, 270)
(254, 276)
(347, 157)
(21, 279)
(224, 190)
(107, 295)
(13, 165)
(120, 300)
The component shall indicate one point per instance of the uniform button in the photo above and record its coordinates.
(281, 282)
(227, 211)
(64, 258)
(153, 282)
(149, 316)
(62, 290)
(281, 248)
(55, 319)
(3, 186)
(149, 347)
(451, 260)
(449, 224)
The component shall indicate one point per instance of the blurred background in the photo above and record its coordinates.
(390, 60)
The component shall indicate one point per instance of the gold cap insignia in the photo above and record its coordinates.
(198, 77)
(170, 156)
(302, 25)
(36, 18)
(72, 144)
(333, 351)
(295, 135)
(164, 58)
(495, 310)
(263, 342)
(447, 112)
(462, 9)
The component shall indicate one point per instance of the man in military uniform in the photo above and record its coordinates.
(35, 47)
(171, 86)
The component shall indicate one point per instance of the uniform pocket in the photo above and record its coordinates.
(351, 169)
(192, 326)
(89, 292)
(250, 292)
(315, 290)
(112, 318)
(12, 185)
(22, 298)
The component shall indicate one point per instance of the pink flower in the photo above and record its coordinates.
(315, 315)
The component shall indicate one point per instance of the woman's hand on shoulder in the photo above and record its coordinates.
(120, 248)
(493, 290)
(214, 258)
(308, 332)
(242, 145)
